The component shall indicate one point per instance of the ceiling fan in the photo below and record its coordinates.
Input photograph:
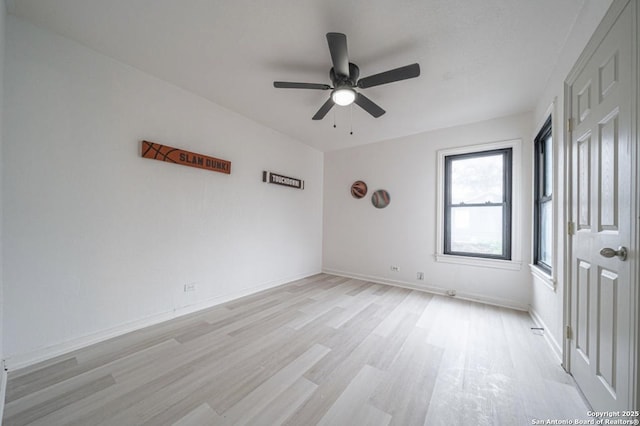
(344, 76)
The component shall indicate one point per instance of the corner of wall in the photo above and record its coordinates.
(548, 337)
(3, 372)
(3, 388)
(549, 307)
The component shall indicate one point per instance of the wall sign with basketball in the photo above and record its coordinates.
(358, 189)
(159, 152)
(380, 199)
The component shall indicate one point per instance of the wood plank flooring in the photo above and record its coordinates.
(324, 350)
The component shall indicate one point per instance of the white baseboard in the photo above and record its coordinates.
(504, 303)
(548, 337)
(14, 362)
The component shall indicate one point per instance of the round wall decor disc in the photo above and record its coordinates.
(358, 189)
(380, 199)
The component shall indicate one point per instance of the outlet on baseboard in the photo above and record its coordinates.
(395, 268)
(189, 287)
(451, 293)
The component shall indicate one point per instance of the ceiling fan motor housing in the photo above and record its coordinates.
(343, 80)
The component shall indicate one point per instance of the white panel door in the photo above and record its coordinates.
(601, 164)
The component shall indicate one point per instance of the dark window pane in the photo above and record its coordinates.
(477, 230)
(477, 180)
(548, 167)
(545, 233)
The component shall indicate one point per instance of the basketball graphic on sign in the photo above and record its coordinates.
(380, 199)
(358, 189)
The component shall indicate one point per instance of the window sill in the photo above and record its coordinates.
(546, 279)
(478, 261)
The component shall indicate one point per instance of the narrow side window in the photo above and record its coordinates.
(543, 198)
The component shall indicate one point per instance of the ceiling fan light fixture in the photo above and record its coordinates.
(343, 96)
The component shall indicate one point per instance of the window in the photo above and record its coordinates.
(477, 204)
(543, 197)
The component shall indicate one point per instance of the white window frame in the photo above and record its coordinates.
(516, 226)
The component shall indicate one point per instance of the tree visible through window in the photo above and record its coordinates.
(543, 188)
(477, 215)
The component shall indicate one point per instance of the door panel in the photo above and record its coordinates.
(583, 191)
(583, 290)
(606, 333)
(608, 167)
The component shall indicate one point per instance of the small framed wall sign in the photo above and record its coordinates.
(278, 179)
(169, 154)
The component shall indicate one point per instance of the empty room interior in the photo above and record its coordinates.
(420, 212)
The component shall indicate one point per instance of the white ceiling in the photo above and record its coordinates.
(479, 59)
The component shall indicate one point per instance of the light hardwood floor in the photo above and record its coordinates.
(323, 350)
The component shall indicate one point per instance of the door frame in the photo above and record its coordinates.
(617, 7)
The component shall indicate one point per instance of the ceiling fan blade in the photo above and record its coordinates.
(368, 105)
(339, 55)
(397, 74)
(324, 109)
(289, 85)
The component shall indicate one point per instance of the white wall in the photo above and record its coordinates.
(547, 304)
(99, 240)
(362, 241)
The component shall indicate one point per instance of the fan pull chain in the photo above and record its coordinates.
(351, 119)
(334, 118)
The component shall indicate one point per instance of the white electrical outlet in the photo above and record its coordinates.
(189, 287)
(395, 268)
(420, 276)
(451, 293)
